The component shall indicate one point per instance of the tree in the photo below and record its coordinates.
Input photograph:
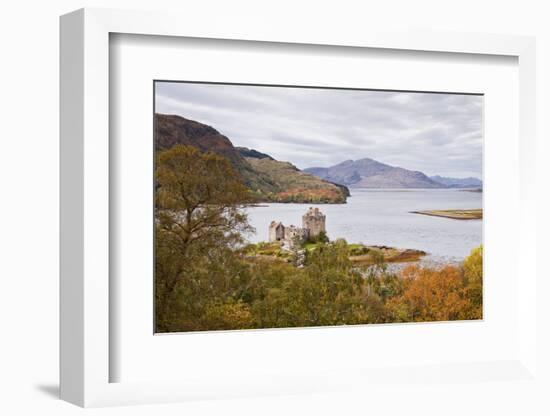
(322, 237)
(198, 221)
(229, 315)
(473, 275)
(430, 295)
(326, 291)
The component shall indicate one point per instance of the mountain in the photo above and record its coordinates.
(172, 129)
(469, 182)
(246, 152)
(369, 173)
(298, 186)
(267, 178)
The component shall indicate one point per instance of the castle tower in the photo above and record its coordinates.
(314, 221)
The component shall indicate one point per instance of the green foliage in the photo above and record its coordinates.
(473, 275)
(327, 291)
(273, 249)
(379, 281)
(198, 222)
(228, 315)
(357, 249)
(322, 237)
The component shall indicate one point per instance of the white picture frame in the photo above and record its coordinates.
(85, 221)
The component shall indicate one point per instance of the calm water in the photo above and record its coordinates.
(382, 217)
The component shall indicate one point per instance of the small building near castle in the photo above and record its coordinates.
(313, 222)
(276, 231)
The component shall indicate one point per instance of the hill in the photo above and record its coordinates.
(369, 173)
(458, 182)
(269, 180)
(172, 129)
(298, 186)
(246, 152)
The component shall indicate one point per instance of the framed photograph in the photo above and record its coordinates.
(263, 213)
(373, 242)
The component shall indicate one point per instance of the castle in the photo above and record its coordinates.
(313, 222)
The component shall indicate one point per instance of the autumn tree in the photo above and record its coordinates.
(328, 290)
(198, 221)
(473, 275)
(430, 295)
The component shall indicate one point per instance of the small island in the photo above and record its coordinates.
(288, 242)
(455, 214)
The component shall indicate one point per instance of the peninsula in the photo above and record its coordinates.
(267, 179)
(455, 214)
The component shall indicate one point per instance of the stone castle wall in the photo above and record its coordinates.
(292, 232)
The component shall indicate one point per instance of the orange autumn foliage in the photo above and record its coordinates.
(431, 295)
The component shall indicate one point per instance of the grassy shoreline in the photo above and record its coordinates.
(455, 214)
(358, 254)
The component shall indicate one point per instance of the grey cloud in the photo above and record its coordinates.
(433, 133)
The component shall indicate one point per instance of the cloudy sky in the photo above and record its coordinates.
(434, 133)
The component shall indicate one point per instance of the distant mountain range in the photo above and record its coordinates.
(268, 179)
(369, 173)
(469, 182)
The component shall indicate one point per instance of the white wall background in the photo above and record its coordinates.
(29, 207)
